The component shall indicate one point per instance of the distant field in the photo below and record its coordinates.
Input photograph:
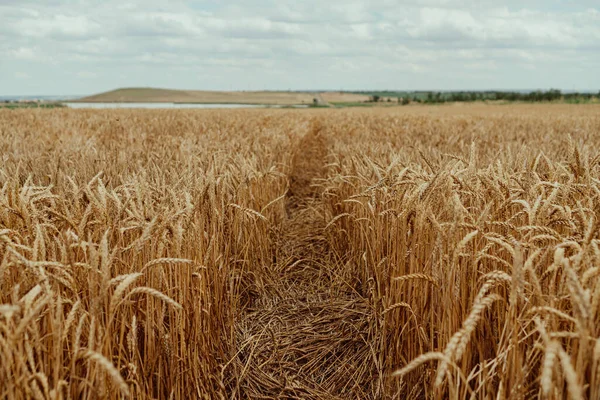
(31, 105)
(342, 97)
(149, 95)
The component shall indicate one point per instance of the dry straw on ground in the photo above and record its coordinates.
(446, 252)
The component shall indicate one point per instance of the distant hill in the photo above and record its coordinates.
(151, 95)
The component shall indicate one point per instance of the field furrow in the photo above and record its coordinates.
(306, 334)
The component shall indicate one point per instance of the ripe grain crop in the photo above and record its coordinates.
(416, 252)
(500, 210)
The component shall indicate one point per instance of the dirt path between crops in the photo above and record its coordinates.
(307, 334)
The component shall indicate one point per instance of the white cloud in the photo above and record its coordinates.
(23, 53)
(58, 26)
(308, 44)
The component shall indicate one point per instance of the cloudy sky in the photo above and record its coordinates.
(72, 47)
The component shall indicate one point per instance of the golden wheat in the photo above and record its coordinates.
(441, 252)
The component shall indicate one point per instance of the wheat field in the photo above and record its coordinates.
(417, 252)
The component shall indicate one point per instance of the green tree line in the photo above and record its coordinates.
(432, 97)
